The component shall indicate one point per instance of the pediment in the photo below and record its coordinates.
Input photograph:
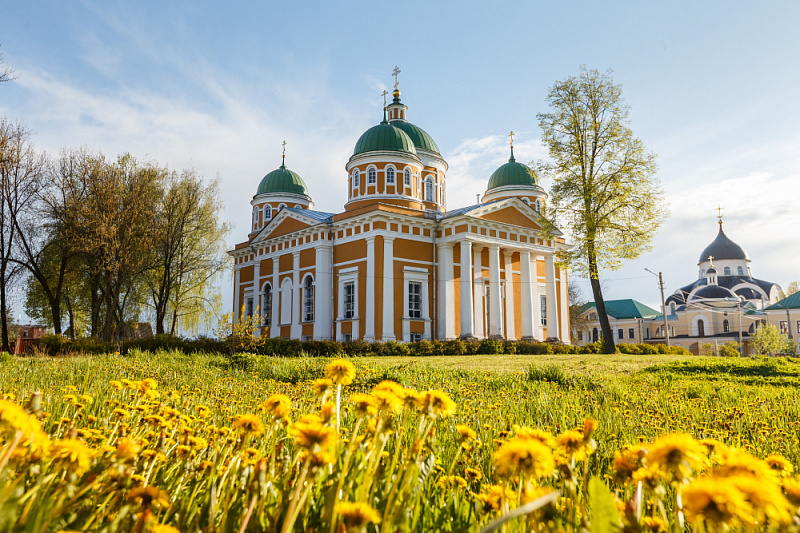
(283, 223)
(511, 211)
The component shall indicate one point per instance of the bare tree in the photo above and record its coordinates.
(6, 72)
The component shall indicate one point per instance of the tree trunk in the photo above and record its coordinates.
(600, 304)
(4, 310)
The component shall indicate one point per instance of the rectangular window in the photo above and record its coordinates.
(308, 293)
(798, 326)
(349, 299)
(784, 326)
(631, 333)
(416, 337)
(647, 333)
(248, 308)
(347, 337)
(267, 311)
(414, 299)
(543, 304)
(620, 334)
(580, 335)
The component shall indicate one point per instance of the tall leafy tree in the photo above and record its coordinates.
(604, 189)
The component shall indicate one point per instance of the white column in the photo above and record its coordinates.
(495, 308)
(477, 278)
(275, 330)
(552, 309)
(536, 292)
(388, 289)
(236, 305)
(297, 326)
(467, 330)
(446, 300)
(564, 306)
(426, 310)
(323, 293)
(526, 295)
(509, 317)
(369, 324)
(258, 311)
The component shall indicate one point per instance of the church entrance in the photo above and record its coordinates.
(701, 328)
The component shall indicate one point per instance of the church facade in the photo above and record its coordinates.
(397, 264)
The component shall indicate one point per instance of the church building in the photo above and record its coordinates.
(397, 264)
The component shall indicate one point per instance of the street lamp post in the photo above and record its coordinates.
(663, 305)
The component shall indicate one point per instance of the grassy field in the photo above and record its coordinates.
(205, 435)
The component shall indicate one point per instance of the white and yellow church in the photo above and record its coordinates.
(397, 264)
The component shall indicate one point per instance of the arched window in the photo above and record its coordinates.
(429, 190)
(308, 299)
(703, 273)
(538, 206)
(740, 271)
(726, 326)
(672, 308)
(266, 306)
(356, 175)
(255, 218)
(286, 301)
(701, 328)
(390, 176)
(407, 177)
(281, 206)
(267, 212)
(727, 271)
(372, 176)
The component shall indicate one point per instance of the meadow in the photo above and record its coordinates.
(167, 442)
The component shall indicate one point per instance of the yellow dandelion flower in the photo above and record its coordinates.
(715, 502)
(148, 384)
(765, 497)
(365, 404)
(149, 497)
(626, 462)
(791, 488)
(535, 434)
(676, 454)
(115, 384)
(493, 497)
(523, 456)
(72, 454)
(438, 403)
(203, 411)
(357, 515)
(120, 413)
(248, 424)
(654, 524)
(327, 412)
(278, 405)
(412, 399)
(127, 448)
(732, 462)
(198, 443)
(13, 418)
(322, 387)
(452, 482)
(311, 434)
(473, 474)
(387, 385)
(589, 427)
(163, 528)
(386, 401)
(340, 371)
(465, 433)
(572, 445)
(779, 464)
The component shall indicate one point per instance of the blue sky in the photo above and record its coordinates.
(218, 85)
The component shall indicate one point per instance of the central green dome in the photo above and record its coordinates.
(512, 173)
(282, 180)
(385, 136)
(420, 137)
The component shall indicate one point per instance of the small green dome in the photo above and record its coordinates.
(512, 173)
(282, 180)
(384, 136)
(418, 135)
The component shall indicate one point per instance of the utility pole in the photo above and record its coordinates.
(663, 305)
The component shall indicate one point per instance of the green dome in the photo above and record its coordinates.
(282, 180)
(512, 173)
(384, 136)
(418, 135)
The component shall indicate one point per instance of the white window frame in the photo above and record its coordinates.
(346, 276)
(390, 175)
(407, 177)
(740, 271)
(414, 299)
(286, 301)
(632, 333)
(266, 303)
(308, 298)
(783, 326)
(727, 271)
(422, 276)
(538, 206)
(372, 176)
(255, 218)
(267, 212)
(429, 194)
(356, 179)
(543, 309)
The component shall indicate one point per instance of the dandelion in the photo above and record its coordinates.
(386, 401)
(465, 433)
(357, 515)
(522, 456)
(148, 497)
(791, 488)
(73, 455)
(573, 445)
(311, 434)
(340, 371)
(452, 482)
(249, 424)
(732, 462)
(677, 455)
(127, 448)
(654, 524)
(438, 403)
(148, 384)
(13, 418)
(322, 387)
(278, 405)
(163, 528)
(120, 413)
(365, 404)
(115, 384)
(535, 434)
(493, 497)
(715, 502)
(779, 464)
(765, 498)
(473, 474)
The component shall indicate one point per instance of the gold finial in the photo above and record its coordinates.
(512, 138)
(384, 93)
(711, 261)
(719, 213)
(395, 72)
(283, 157)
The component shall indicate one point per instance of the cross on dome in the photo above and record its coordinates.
(719, 213)
(384, 93)
(283, 157)
(511, 134)
(395, 72)
(711, 260)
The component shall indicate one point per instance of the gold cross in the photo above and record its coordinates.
(283, 157)
(711, 261)
(512, 138)
(395, 72)
(384, 93)
(719, 213)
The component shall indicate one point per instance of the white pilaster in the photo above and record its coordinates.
(552, 309)
(297, 325)
(526, 295)
(369, 319)
(388, 290)
(237, 311)
(495, 308)
(467, 329)
(537, 290)
(257, 294)
(478, 285)
(509, 317)
(446, 299)
(563, 310)
(323, 293)
(275, 330)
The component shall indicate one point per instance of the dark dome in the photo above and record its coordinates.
(419, 136)
(712, 291)
(385, 136)
(282, 180)
(711, 270)
(749, 293)
(512, 173)
(723, 248)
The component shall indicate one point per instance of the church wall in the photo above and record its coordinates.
(308, 258)
(285, 264)
(289, 225)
